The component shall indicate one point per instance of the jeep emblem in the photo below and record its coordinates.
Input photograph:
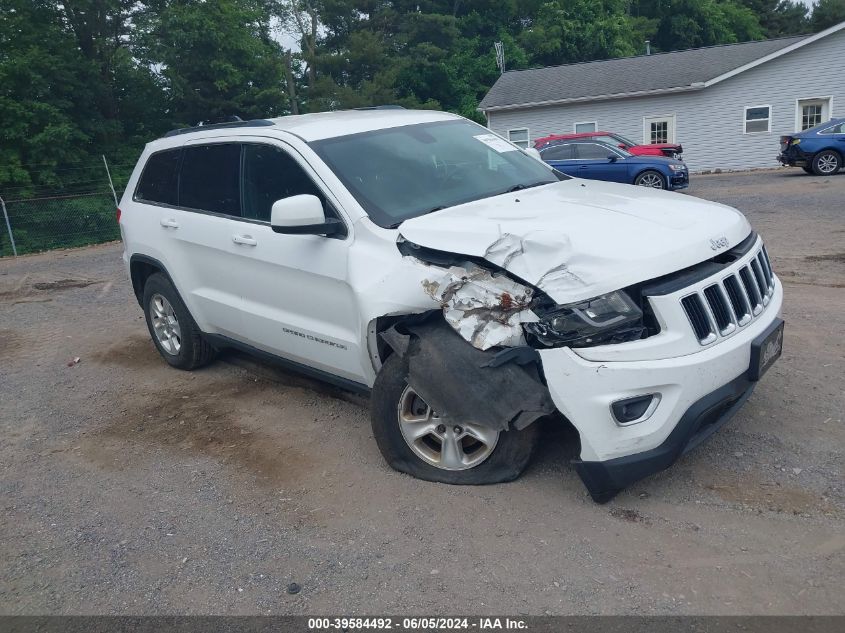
(719, 243)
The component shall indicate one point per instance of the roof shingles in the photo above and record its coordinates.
(645, 73)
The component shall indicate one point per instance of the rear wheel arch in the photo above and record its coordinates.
(141, 267)
(826, 150)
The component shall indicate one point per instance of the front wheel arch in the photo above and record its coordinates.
(664, 182)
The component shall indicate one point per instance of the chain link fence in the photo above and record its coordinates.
(60, 218)
(41, 224)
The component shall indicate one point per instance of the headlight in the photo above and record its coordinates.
(678, 167)
(610, 318)
(796, 141)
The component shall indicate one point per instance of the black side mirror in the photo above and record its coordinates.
(613, 158)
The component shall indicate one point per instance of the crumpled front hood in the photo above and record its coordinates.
(577, 239)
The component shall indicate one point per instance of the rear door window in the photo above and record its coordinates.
(210, 178)
(591, 151)
(271, 174)
(558, 152)
(160, 178)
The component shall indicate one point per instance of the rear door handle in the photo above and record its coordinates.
(169, 223)
(246, 240)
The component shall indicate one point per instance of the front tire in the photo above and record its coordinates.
(826, 163)
(651, 178)
(413, 439)
(174, 332)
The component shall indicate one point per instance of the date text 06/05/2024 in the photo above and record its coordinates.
(416, 624)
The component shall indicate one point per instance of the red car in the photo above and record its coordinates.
(670, 150)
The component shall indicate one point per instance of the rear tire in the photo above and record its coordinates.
(503, 458)
(174, 332)
(651, 178)
(826, 163)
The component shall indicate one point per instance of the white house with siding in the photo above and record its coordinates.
(727, 105)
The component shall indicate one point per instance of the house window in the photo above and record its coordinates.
(585, 127)
(659, 132)
(519, 137)
(758, 119)
(811, 115)
(659, 129)
(811, 112)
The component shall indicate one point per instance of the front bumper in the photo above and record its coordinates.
(698, 392)
(679, 180)
(605, 479)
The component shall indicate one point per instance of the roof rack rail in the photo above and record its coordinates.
(381, 107)
(230, 122)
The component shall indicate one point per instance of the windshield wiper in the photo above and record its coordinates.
(521, 186)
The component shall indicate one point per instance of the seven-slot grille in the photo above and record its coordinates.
(720, 308)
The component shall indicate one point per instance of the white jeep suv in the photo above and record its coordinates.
(471, 288)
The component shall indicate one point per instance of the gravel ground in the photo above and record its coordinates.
(132, 488)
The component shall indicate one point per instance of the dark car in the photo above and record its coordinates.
(670, 150)
(819, 150)
(587, 158)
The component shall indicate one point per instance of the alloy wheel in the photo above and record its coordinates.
(828, 163)
(438, 442)
(165, 324)
(650, 180)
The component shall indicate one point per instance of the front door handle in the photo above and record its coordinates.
(169, 223)
(246, 240)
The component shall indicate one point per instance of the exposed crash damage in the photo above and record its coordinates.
(465, 385)
(487, 310)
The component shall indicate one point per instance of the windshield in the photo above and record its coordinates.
(404, 172)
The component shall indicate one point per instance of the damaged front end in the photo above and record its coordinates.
(465, 385)
(497, 379)
(489, 308)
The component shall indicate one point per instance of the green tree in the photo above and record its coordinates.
(780, 18)
(216, 59)
(695, 23)
(827, 13)
(567, 31)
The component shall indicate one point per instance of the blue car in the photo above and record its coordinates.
(588, 158)
(819, 150)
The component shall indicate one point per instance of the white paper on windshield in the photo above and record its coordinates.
(494, 142)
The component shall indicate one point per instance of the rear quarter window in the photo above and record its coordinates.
(160, 178)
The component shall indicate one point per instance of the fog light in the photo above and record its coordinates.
(636, 409)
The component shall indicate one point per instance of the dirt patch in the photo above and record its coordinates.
(770, 495)
(136, 352)
(204, 421)
(61, 284)
(25, 286)
(832, 257)
(12, 343)
(631, 516)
